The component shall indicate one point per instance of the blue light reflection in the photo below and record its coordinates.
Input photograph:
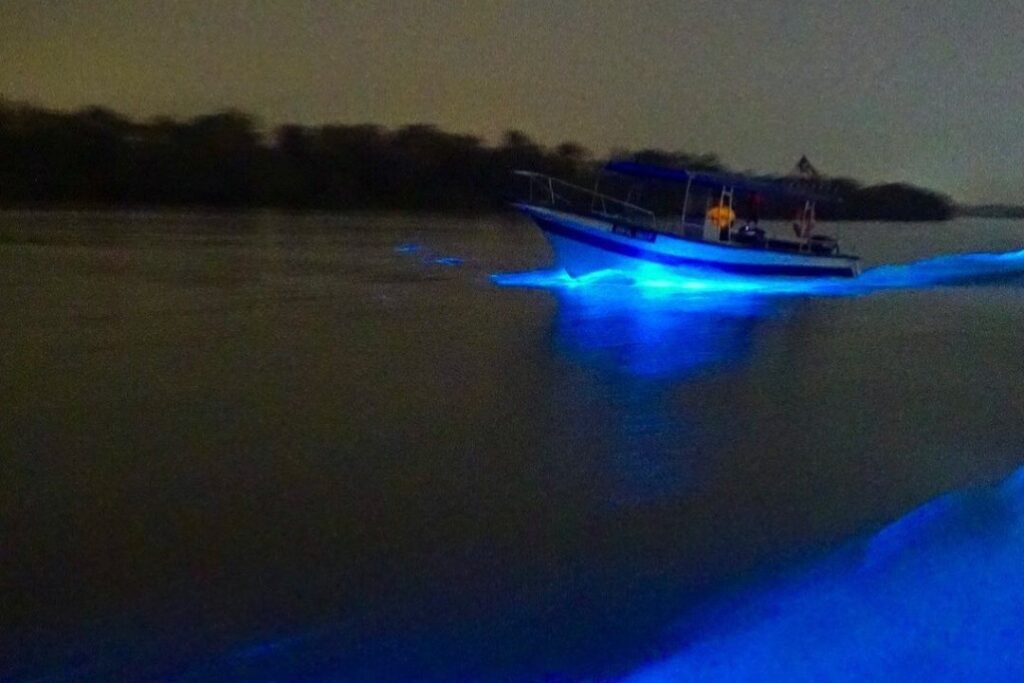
(652, 321)
(656, 330)
(652, 324)
(970, 268)
(638, 343)
(934, 596)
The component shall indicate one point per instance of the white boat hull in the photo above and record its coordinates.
(583, 245)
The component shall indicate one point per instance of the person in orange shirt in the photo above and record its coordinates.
(722, 217)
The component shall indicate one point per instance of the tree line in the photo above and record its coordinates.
(98, 157)
(992, 211)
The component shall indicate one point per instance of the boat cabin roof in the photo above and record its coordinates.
(707, 179)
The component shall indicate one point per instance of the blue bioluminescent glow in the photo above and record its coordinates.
(653, 322)
(658, 321)
(972, 268)
(652, 332)
(935, 596)
(427, 256)
(651, 279)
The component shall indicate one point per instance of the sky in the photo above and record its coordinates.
(924, 91)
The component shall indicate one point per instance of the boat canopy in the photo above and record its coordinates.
(706, 179)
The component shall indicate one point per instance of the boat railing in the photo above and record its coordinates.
(546, 190)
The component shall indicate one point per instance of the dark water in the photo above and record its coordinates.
(315, 448)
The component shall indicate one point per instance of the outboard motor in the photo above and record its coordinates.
(749, 234)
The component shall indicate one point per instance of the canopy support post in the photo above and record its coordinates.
(686, 201)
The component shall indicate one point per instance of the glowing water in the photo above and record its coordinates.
(652, 279)
(327, 449)
(657, 322)
(938, 595)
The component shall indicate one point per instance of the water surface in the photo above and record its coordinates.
(273, 447)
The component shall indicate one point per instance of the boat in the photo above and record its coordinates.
(590, 231)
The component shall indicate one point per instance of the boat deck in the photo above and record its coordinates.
(623, 226)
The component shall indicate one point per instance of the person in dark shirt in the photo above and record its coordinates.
(754, 208)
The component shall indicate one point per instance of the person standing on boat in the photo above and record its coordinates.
(756, 200)
(722, 217)
(803, 225)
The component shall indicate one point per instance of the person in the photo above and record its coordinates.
(803, 224)
(722, 217)
(755, 208)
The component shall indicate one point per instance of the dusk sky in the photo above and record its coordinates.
(930, 92)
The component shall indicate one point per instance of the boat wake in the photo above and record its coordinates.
(956, 269)
(934, 596)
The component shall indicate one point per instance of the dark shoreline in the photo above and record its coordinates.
(227, 161)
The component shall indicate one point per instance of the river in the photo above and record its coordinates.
(392, 447)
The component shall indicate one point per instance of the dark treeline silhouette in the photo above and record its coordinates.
(992, 211)
(888, 201)
(97, 157)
